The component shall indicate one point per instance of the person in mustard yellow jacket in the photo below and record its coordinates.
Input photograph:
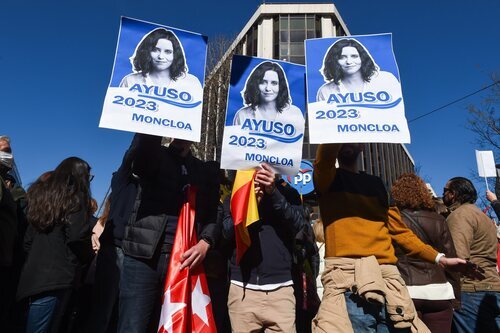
(364, 291)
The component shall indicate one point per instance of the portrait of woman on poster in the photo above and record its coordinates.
(266, 96)
(159, 60)
(349, 67)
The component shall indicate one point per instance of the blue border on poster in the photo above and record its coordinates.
(241, 68)
(131, 33)
(379, 47)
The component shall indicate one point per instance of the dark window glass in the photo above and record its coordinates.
(312, 150)
(283, 22)
(311, 34)
(297, 36)
(297, 23)
(249, 44)
(305, 151)
(298, 60)
(284, 36)
(297, 49)
(283, 49)
(310, 22)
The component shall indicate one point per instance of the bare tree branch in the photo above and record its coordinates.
(484, 120)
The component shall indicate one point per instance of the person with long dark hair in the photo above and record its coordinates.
(349, 67)
(431, 289)
(57, 242)
(266, 96)
(159, 60)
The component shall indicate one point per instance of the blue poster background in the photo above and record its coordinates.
(241, 68)
(379, 47)
(131, 33)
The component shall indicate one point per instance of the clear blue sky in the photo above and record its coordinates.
(56, 58)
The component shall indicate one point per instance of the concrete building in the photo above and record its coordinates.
(278, 31)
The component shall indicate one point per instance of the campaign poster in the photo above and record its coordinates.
(265, 115)
(354, 90)
(157, 82)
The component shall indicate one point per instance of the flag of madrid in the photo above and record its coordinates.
(186, 299)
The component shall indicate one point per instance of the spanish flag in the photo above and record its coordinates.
(244, 209)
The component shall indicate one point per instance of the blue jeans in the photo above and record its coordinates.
(368, 317)
(141, 290)
(42, 309)
(106, 289)
(480, 312)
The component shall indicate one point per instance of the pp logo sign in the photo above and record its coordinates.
(302, 181)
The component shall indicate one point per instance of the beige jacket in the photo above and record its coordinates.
(375, 283)
(474, 236)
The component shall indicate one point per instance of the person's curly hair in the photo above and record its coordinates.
(142, 57)
(410, 192)
(332, 71)
(251, 94)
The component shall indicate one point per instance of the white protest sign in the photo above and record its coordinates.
(156, 85)
(354, 90)
(265, 115)
(486, 163)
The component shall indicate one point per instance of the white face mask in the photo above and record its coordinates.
(6, 159)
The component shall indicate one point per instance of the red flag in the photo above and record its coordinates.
(186, 299)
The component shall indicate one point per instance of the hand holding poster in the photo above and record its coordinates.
(353, 89)
(265, 118)
(156, 85)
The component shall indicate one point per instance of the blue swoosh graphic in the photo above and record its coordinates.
(278, 138)
(374, 106)
(164, 100)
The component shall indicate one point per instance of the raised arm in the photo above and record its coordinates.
(324, 166)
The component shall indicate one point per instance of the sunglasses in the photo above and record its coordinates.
(91, 177)
(445, 190)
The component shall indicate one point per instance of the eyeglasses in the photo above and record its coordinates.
(91, 177)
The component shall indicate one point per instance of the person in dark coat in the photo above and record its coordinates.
(57, 242)
(124, 187)
(261, 293)
(163, 174)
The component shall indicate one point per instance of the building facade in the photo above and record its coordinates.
(278, 31)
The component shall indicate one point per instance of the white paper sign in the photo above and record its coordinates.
(354, 91)
(156, 85)
(265, 115)
(486, 163)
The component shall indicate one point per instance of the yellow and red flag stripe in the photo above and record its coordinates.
(244, 209)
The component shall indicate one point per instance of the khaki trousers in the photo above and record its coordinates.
(253, 310)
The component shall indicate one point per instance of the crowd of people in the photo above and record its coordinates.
(398, 261)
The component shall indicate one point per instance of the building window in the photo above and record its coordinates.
(252, 41)
(290, 31)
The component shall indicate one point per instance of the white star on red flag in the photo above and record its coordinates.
(199, 302)
(168, 310)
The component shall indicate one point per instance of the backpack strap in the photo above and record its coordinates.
(418, 227)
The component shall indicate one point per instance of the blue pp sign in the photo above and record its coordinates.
(303, 180)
